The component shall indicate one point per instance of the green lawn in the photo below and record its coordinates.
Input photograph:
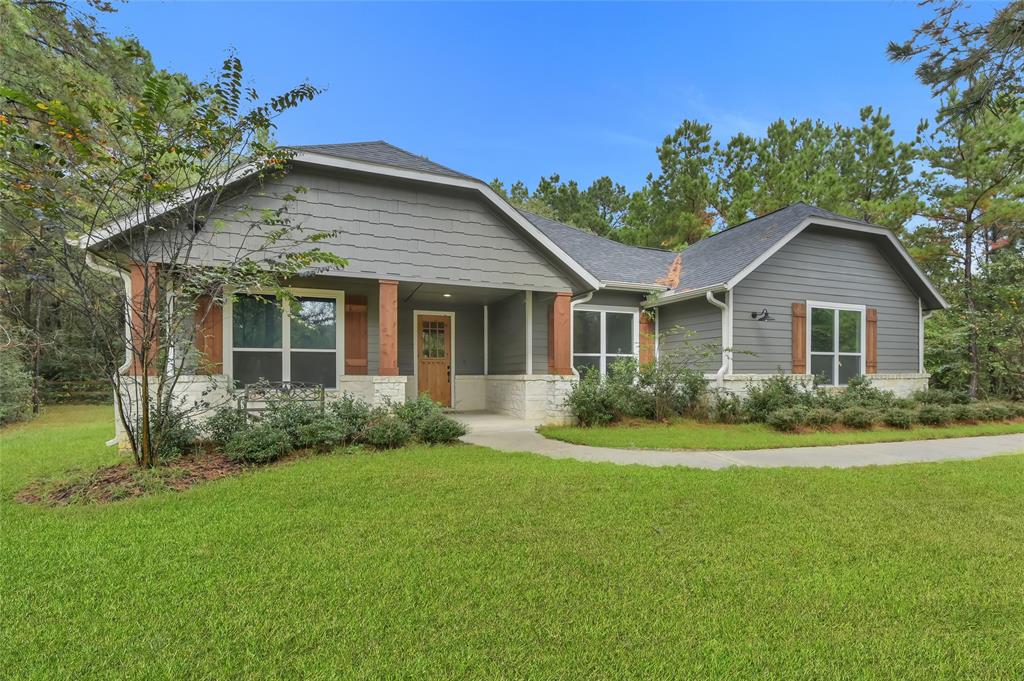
(699, 435)
(464, 562)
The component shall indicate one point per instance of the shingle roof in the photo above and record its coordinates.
(382, 153)
(606, 259)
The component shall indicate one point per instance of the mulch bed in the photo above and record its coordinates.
(126, 481)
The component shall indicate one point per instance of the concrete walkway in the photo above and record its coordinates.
(514, 435)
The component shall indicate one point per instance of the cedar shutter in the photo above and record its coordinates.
(646, 337)
(799, 338)
(209, 329)
(356, 336)
(871, 338)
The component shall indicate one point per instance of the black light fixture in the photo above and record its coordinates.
(762, 316)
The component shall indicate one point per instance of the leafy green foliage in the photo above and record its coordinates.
(898, 417)
(773, 394)
(788, 419)
(660, 390)
(290, 416)
(415, 412)
(224, 424)
(859, 417)
(933, 414)
(385, 430)
(351, 415)
(15, 388)
(260, 443)
(821, 417)
(439, 429)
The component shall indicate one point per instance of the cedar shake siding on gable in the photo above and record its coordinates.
(395, 230)
(825, 266)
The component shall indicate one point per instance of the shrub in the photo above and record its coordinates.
(933, 414)
(415, 412)
(260, 443)
(623, 393)
(323, 433)
(961, 412)
(589, 401)
(725, 407)
(350, 415)
(822, 417)
(1016, 409)
(991, 411)
(940, 397)
(173, 434)
(860, 393)
(439, 429)
(778, 392)
(788, 419)
(385, 431)
(224, 424)
(290, 416)
(899, 418)
(670, 388)
(15, 388)
(858, 417)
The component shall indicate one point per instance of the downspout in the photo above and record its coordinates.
(726, 342)
(584, 298)
(126, 279)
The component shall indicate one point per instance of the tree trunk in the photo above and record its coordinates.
(972, 322)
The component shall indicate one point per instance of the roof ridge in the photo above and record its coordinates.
(525, 212)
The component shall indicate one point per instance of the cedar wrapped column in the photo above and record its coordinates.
(209, 321)
(559, 335)
(647, 335)
(143, 313)
(388, 324)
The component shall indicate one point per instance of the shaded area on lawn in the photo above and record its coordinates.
(699, 435)
(460, 561)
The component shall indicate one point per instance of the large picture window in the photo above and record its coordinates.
(836, 340)
(601, 336)
(272, 343)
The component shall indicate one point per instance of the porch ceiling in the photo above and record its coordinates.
(445, 294)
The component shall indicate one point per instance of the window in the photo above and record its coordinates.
(601, 336)
(275, 344)
(836, 340)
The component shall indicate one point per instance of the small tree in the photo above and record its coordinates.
(128, 182)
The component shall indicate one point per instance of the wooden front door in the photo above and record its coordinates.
(434, 361)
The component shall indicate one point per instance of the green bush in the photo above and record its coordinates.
(991, 411)
(323, 433)
(589, 402)
(415, 412)
(724, 407)
(778, 392)
(899, 418)
(933, 414)
(961, 412)
(940, 397)
(822, 417)
(858, 417)
(173, 434)
(224, 424)
(15, 388)
(385, 431)
(261, 443)
(290, 416)
(439, 429)
(351, 415)
(788, 419)
(1016, 409)
(670, 388)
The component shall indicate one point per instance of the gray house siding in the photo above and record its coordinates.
(541, 308)
(392, 229)
(507, 335)
(825, 267)
(691, 331)
(469, 337)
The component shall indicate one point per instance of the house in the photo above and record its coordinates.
(451, 291)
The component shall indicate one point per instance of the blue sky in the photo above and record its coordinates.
(521, 90)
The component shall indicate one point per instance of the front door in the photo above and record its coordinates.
(434, 348)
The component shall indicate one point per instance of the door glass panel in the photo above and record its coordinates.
(432, 339)
(822, 330)
(315, 367)
(849, 331)
(256, 322)
(586, 364)
(252, 367)
(314, 325)
(618, 333)
(849, 366)
(586, 331)
(821, 366)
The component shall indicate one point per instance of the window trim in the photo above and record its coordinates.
(228, 349)
(822, 305)
(603, 355)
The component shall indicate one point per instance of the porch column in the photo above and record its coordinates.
(559, 335)
(388, 322)
(145, 346)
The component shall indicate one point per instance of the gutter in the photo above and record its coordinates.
(665, 299)
(583, 298)
(726, 342)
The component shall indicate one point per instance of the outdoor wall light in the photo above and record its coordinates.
(762, 316)
(446, 295)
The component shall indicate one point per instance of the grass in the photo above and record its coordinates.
(720, 436)
(464, 562)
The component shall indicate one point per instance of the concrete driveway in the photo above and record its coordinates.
(515, 435)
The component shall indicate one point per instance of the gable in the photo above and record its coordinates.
(393, 229)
